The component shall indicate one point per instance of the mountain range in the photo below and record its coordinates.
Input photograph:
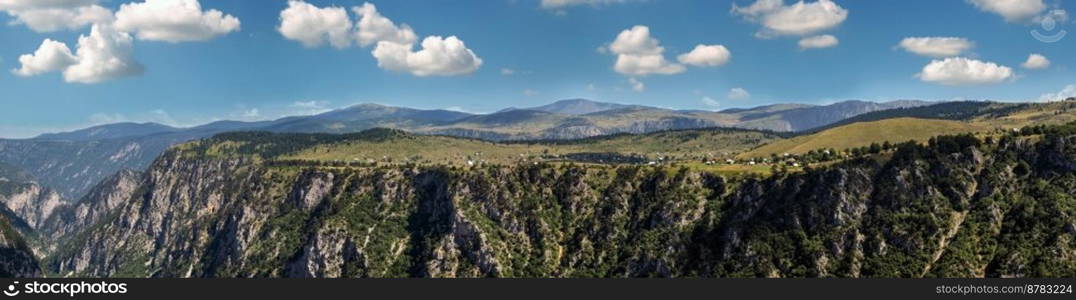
(72, 162)
(956, 189)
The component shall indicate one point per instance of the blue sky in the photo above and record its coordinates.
(555, 50)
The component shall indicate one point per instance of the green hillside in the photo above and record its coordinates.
(388, 146)
(865, 133)
(683, 144)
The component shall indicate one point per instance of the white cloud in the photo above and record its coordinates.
(49, 18)
(557, 4)
(373, 28)
(50, 56)
(104, 54)
(530, 93)
(640, 54)
(1068, 92)
(1012, 10)
(738, 94)
(645, 65)
(313, 26)
(1036, 62)
(710, 102)
(173, 21)
(706, 56)
(636, 41)
(636, 85)
(438, 57)
(936, 46)
(818, 42)
(507, 72)
(955, 71)
(755, 11)
(800, 19)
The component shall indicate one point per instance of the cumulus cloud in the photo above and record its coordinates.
(738, 94)
(801, 18)
(636, 41)
(639, 54)
(49, 18)
(956, 71)
(507, 72)
(706, 56)
(645, 65)
(936, 46)
(313, 26)
(818, 42)
(50, 56)
(103, 55)
(173, 21)
(1012, 10)
(373, 28)
(438, 57)
(1068, 92)
(636, 85)
(1035, 62)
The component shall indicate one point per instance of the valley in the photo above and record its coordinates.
(944, 190)
(884, 215)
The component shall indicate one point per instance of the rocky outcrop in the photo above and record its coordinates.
(956, 208)
(99, 203)
(30, 201)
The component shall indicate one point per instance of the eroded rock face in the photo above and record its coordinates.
(98, 204)
(31, 202)
(969, 213)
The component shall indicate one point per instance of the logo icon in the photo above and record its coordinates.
(1048, 24)
(11, 291)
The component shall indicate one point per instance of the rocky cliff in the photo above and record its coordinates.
(29, 201)
(959, 207)
(100, 203)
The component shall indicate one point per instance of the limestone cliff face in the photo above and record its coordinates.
(99, 203)
(1002, 209)
(30, 201)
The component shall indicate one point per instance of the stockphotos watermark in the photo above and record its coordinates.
(1047, 33)
(71, 289)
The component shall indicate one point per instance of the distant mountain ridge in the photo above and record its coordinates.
(73, 162)
(574, 107)
(110, 131)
